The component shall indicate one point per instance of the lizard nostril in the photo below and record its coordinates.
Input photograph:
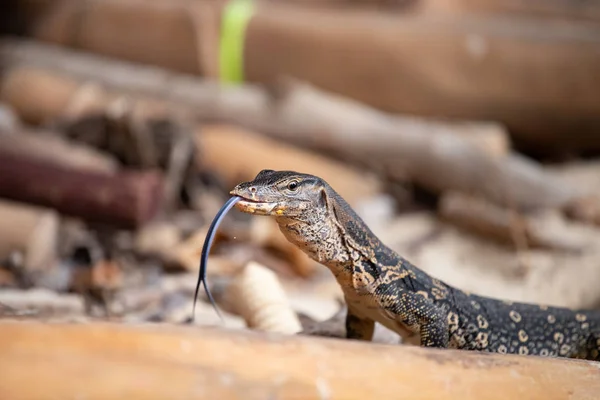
(252, 189)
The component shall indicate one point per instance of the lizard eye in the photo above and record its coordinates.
(293, 185)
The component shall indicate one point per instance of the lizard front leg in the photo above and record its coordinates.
(434, 330)
(416, 313)
(359, 328)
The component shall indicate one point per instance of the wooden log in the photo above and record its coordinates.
(52, 148)
(462, 65)
(427, 152)
(127, 199)
(165, 361)
(30, 231)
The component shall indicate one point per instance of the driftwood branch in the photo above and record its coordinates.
(431, 153)
(158, 362)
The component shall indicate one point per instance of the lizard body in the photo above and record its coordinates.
(381, 286)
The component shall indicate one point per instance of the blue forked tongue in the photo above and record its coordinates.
(206, 249)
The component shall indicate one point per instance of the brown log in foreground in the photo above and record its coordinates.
(430, 153)
(105, 361)
(125, 199)
(460, 65)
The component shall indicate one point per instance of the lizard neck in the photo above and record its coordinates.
(319, 238)
(334, 235)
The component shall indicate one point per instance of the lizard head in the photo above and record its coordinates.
(309, 212)
(286, 194)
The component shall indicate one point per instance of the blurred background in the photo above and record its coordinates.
(466, 133)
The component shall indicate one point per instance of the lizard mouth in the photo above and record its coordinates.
(258, 207)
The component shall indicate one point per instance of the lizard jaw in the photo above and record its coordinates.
(249, 203)
(258, 208)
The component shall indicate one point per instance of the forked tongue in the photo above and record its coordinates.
(206, 250)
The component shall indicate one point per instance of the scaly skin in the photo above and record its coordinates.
(381, 286)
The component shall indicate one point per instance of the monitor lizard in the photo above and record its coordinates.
(381, 286)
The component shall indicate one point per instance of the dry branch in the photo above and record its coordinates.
(430, 153)
(158, 362)
(126, 199)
